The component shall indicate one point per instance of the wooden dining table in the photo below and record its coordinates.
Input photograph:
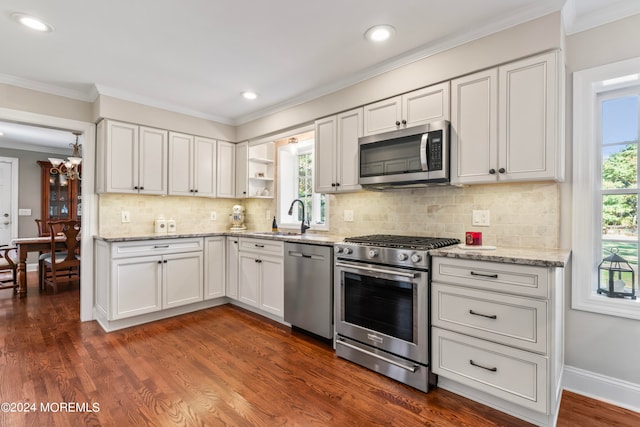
(31, 244)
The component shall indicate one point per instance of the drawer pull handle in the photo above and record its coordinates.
(258, 246)
(160, 246)
(471, 362)
(488, 316)
(491, 276)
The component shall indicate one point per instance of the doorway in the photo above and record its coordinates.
(89, 197)
(8, 199)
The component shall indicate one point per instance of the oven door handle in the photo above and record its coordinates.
(377, 356)
(377, 270)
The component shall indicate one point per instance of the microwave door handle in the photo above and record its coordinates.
(424, 159)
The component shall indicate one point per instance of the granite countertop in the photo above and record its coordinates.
(311, 238)
(536, 257)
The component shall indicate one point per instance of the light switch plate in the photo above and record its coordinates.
(481, 218)
(126, 216)
(24, 212)
(214, 215)
(348, 215)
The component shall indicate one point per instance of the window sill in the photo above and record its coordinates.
(601, 304)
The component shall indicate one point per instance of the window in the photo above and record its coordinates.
(605, 181)
(295, 181)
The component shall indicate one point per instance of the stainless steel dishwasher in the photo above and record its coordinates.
(308, 287)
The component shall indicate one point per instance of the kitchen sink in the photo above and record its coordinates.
(278, 233)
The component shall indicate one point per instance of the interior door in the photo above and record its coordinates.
(8, 199)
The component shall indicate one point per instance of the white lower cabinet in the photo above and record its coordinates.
(261, 274)
(232, 267)
(141, 277)
(497, 334)
(215, 267)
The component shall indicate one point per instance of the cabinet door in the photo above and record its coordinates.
(382, 116)
(214, 267)
(272, 285)
(474, 126)
(242, 169)
(528, 118)
(180, 164)
(183, 279)
(226, 170)
(325, 155)
(426, 105)
(152, 164)
(349, 130)
(232, 267)
(204, 163)
(248, 276)
(121, 157)
(136, 286)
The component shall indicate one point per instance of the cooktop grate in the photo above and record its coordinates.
(403, 242)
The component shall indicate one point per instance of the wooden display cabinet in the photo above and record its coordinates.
(61, 198)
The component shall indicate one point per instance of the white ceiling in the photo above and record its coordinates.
(197, 56)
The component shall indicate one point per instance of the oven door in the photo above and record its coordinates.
(383, 307)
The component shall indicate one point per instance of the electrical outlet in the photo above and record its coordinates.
(214, 216)
(481, 219)
(348, 216)
(126, 217)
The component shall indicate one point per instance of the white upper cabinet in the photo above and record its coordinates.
(411, 109)
(192, 165)
(474, 127)
(506, 123)
(226, 170)
(336, 152)
(242, 169)
(131, 159)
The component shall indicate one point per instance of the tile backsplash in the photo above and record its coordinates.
(522, 215)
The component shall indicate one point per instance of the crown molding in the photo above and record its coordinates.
(45, 87)
(615, 11)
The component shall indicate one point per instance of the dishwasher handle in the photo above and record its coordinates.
(303, 255)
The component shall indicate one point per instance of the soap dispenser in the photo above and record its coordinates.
(274, 225)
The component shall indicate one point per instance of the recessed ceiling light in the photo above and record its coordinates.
(379, 33)
(32, 22)
(249, 95)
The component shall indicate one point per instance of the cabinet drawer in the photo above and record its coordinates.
(505, 319)
(155, 247)
(514, 375)
(511, 278)
(265, 246)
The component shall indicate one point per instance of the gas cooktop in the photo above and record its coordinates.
(402, 242)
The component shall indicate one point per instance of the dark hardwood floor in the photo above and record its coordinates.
(222, 366)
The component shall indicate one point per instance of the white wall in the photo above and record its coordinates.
(600, 344)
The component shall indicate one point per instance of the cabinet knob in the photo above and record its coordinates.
(397, 123)
(135, 187)
(337, 184)
(404, 123)
(492, 171)
(333, 184)
(165, 261)
(502, 170)
(141, 188)
(195, 191)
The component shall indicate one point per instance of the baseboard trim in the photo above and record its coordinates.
(611, 390)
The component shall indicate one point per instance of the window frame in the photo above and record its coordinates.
(587, 191)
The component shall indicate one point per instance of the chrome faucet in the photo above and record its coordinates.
(303, 226)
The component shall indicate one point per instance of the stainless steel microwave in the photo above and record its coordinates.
(410, 157)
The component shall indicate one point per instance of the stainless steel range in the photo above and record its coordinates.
(382, 304)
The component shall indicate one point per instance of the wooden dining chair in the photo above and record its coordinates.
(8, 268)
(58, 266)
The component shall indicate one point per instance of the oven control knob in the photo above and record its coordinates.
(402, 256)
(373, 253)
(339, 250)
(347, 251)
(416, 258)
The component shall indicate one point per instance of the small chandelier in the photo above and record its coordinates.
(70, 167)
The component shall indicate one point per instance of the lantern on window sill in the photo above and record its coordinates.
(615, 276)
